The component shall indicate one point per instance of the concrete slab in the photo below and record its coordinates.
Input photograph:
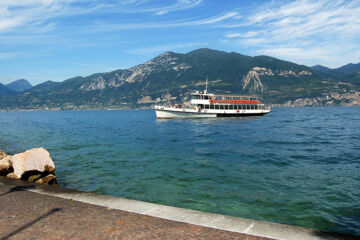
(244, 227)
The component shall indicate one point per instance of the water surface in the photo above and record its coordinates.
(298, 166)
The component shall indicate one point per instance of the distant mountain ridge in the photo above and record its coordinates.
(4, 89)
(19, 85)
(169, 77)
(337, 73)
(349, 68)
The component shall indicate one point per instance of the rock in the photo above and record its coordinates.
(12, 175)
(5, 165)
(2, 154)
(36, 159)
(49, 179)
(33, 178)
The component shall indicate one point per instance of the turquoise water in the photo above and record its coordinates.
(298, 166)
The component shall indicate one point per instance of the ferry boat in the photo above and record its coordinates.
(208, 105)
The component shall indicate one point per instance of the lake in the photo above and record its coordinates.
(298, 166)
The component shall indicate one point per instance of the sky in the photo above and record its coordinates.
(55, 40)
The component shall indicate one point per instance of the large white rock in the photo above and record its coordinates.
(36, 159)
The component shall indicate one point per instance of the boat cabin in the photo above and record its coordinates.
(225, 102)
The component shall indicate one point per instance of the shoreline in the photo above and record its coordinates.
(242, 226)
(149, 108)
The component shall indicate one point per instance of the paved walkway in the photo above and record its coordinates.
(32, 211)
(29, 215)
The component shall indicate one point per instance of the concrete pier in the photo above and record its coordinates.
(34, 211)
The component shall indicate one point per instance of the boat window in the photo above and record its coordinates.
(248, 107)
(256, 106)
(206, 97)
(221, 106)
(231, 107)
(206, 106)
(226, 107)
(211, 106)
(216, 106)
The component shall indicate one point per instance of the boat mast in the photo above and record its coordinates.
(206, 85)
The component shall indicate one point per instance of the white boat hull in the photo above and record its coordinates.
(169, 112)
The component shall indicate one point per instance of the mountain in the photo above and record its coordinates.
(19, 85)
(341, 73)
(349, 69)
(353, 78)
(169, 77)
(4, 89)
(326, 72)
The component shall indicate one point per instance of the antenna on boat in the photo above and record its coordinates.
(206, 85)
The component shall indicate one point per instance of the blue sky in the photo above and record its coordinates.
(57, 39)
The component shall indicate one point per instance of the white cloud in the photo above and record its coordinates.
(304, 30)
(218, 18)
(326, 55)
(7, 55)
(32, 13)
(233, 35)
(15, 54)
(179, 5)
(106, 27)
(244, 35)
(41, 15)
